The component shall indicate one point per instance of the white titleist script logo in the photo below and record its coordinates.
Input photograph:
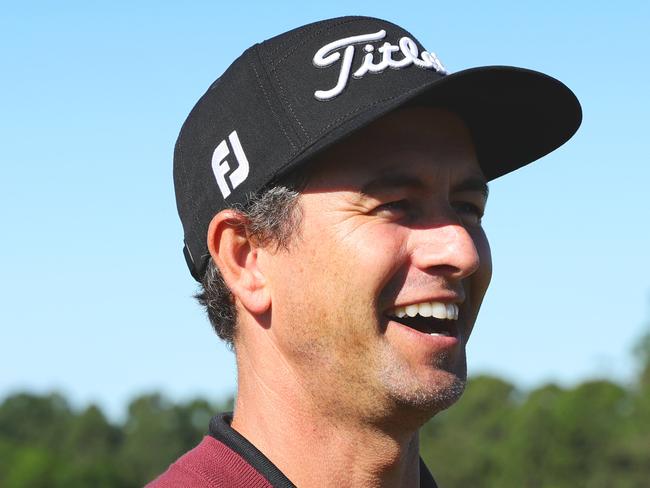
(329, 54)
(220, 166)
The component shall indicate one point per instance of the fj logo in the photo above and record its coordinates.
(221, 167)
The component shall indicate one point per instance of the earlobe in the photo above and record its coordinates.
(235, 254)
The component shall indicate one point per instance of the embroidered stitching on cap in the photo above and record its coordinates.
(287, 103)
(342, 118)
(268, 102)
(295, 46)
(329, 54)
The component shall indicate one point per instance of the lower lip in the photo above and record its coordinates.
(436, 341)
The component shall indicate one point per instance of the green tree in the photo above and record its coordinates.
(589, 419)
(29, 467)
(157, 432)
(35, 420)
(89, 451)
(152, 438)
(462, 444)
(31, 429)
(630, 454)
(533, 432)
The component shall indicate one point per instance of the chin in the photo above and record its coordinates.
(423, 396)
(433, 398)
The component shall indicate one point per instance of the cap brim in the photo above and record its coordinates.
(515, 115)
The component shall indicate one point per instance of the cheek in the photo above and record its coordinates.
(339, 269)
(481, 279)
(375, 256)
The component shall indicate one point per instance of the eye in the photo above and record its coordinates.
(397, 208)
(396, 205)
(469, 212)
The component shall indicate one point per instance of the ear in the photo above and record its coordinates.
(235, 255)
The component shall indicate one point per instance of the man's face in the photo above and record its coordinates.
(390, 218)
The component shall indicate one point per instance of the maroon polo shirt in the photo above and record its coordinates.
(226, 459)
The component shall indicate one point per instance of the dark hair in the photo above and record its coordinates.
(271, 217)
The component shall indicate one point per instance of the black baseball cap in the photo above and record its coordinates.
(288, 98)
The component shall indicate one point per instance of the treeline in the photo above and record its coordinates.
(596, 434)
(45, 443)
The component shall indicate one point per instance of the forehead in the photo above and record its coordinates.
(433, 145)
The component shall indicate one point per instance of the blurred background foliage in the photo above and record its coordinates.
(595, 434)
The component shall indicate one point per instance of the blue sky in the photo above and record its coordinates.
(95, 297)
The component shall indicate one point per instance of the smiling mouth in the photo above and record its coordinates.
(433, 318)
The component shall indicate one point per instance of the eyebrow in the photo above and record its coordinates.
(392, 180)
(473, 183)
(401, 180)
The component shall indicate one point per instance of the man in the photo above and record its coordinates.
(331, 185)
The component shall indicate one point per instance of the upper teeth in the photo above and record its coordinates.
(438, 310)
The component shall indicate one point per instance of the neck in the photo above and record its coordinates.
(316, 446)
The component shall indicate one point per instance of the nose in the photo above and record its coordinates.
(447, 248)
